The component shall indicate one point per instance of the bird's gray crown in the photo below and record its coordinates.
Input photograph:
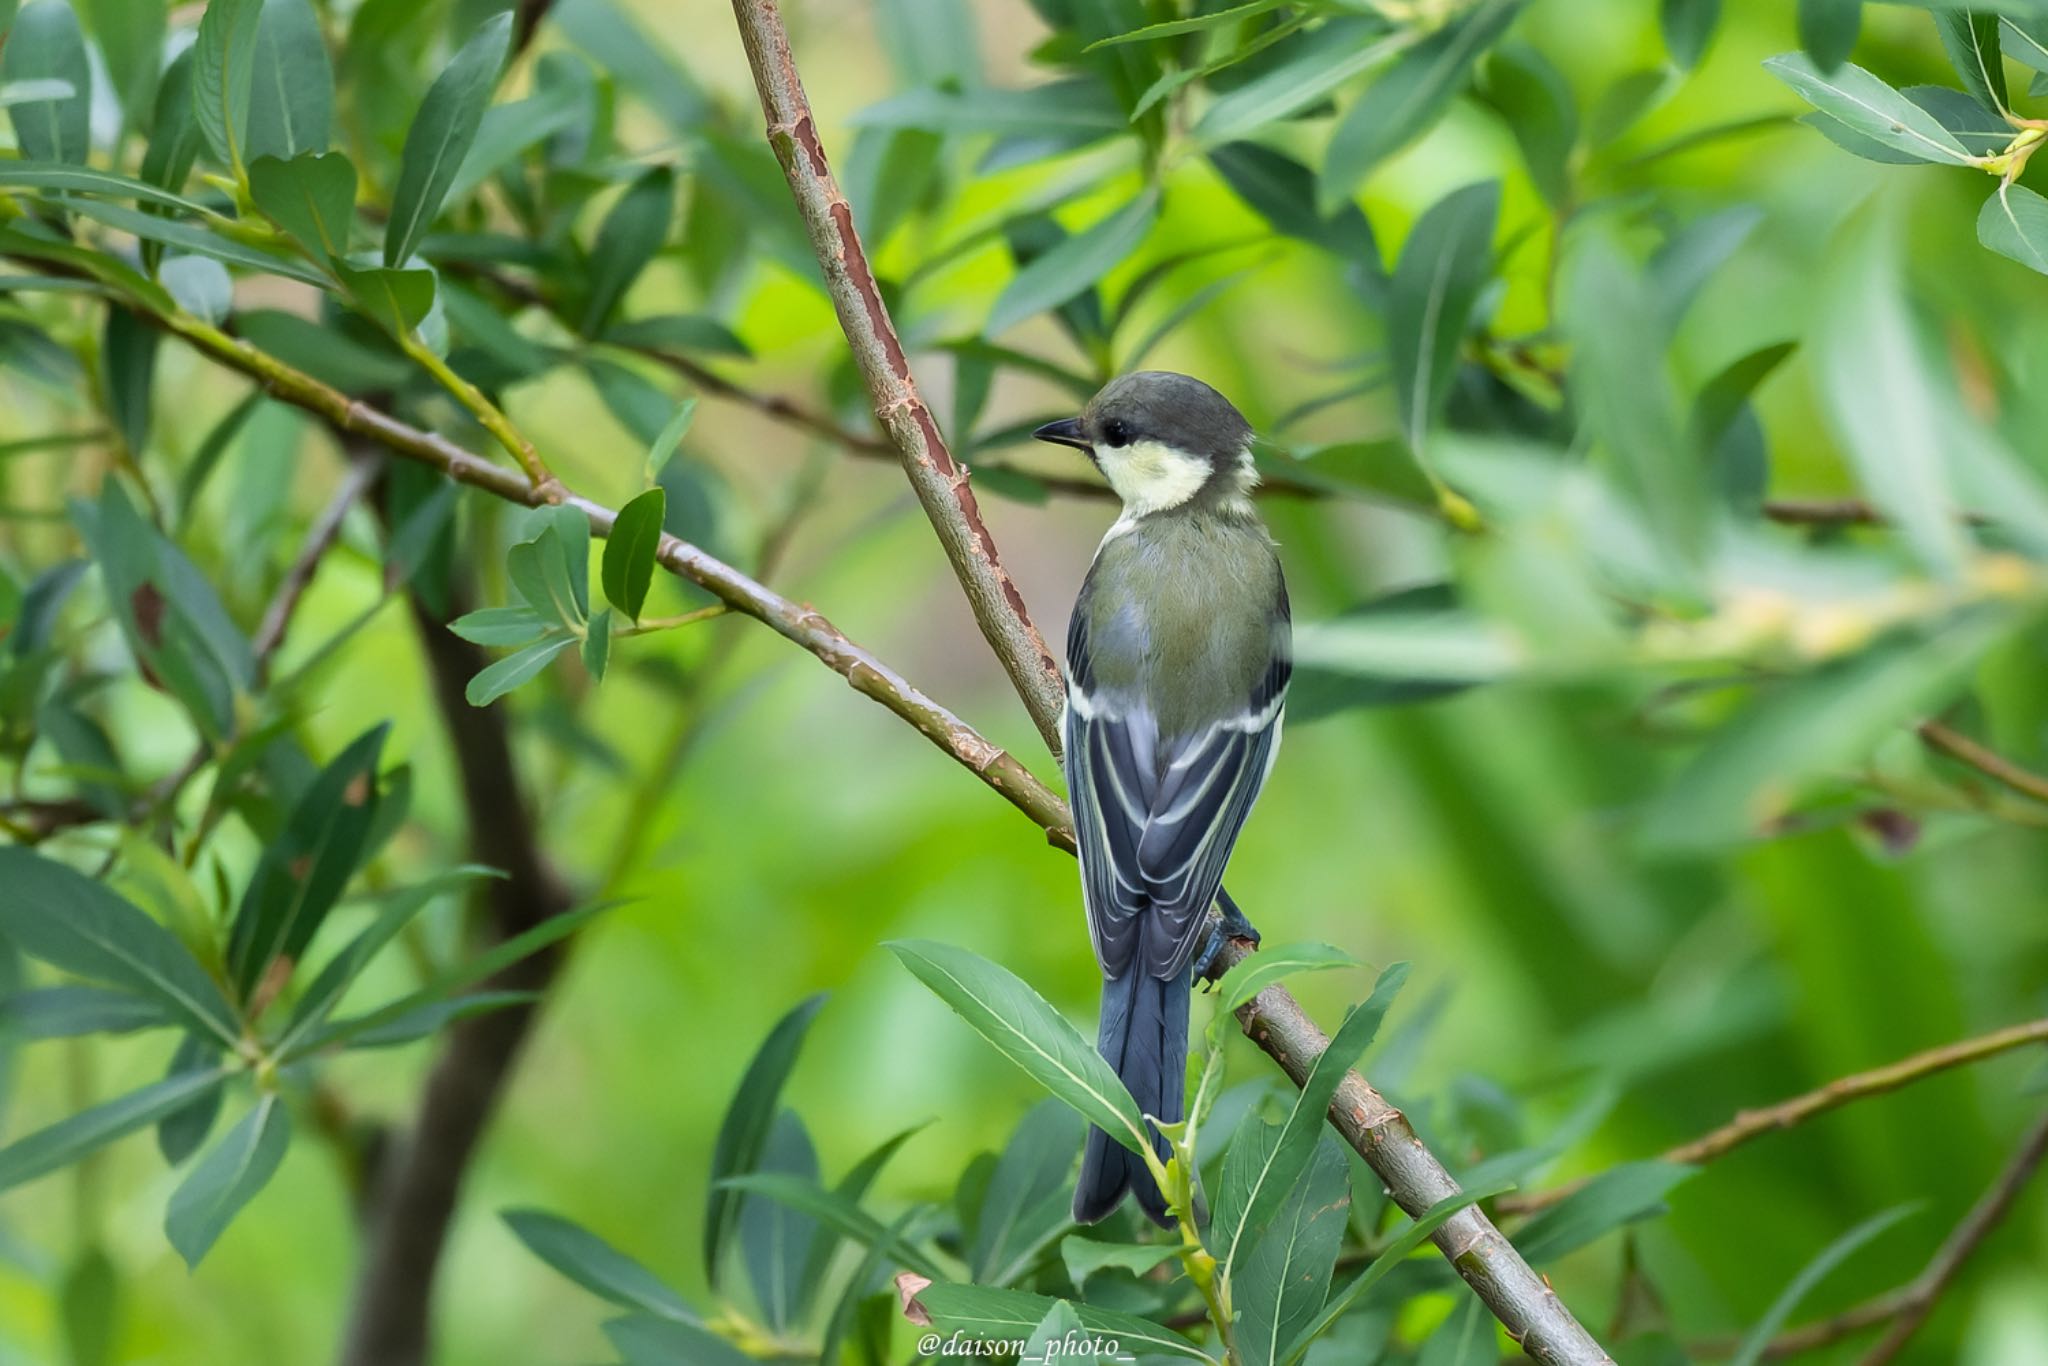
(1177, 411)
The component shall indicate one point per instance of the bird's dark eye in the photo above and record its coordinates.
(1116, 432)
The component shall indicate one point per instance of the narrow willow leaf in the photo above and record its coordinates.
(65, 1012)
(2014, 223)
(1283, 192)
(850, 1188)
(627, 240)
(1030, 1033)
(1444, 265)
(1724, 427)
(1075, 264)
(680, 331)
(1621, 1195)
(1333, 55)
(595, 1264)
(223, 75)
(312, 197)
(775, 1234)
(302, 872)
(89, 1302)
(1269, 965)
(1408, 96)
(1866, 105)
(441, 135)
(597, 642)
(1537, 104)
(428, 1018)
(2025, 40)
(174, 136)
(201, 285)
(1171, 28)
(1278, 1289)
(130, 34)
(179, 1133)
(743, 1133)
(227, 1178)
(128, 351)
(398, 300)
(499, 627)
(494, 682)
(509, 129)
(645, 1340)
(1267, 1183)
(291, 103)
(194, 237)
(66, 1141)
(46, 44)
(1828, 29)
(1971, 41)
(1084, 1257)
(59, 915)
(1028, 1201)
(831, 1210)
(628, 567)
(986, 1314)
(1688, 29)
(44, 175)
(1757, 1345)
(1078, 106)
(670, 437)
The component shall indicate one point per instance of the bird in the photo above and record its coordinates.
(1178, 660)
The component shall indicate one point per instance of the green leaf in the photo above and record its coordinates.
(1333, 55)
(776, 1232)
(680, 332)
(194, 238)
(1536, 102)
(1083, 1257)
(1412, 645)
(1621, 1195)
(1971, 41)
(1866, 105)
(1195, 24)
(1466, 1338)
(128, 350)
(629, 552)
(987, 1314)
(227, 1178)
(66, 1012)
(291, 102)
(71, 922)
(1075, 264)
(1827, 30)
(312, 197)
(130, 34)
(499, 627)
(66, 1141)
(1749, 774)
(89, 1303)
(1757, 1344)
(743, 1133)
(665, 443)
(1253, 975)
(1070, 106)
(595, 1264)
(45, 44)
(1283, 192)
(1408, 96)
(597, 642)
(1885, 398)
(441, 135)
(1030, 1033)
(179, 1133)
(174, 133)
(494, 682)
(1028, 1201)
(1413, 1237)
(644, 1340)
(628, 239)
(2025, 40)
(509, 129)
(427, 1018)
(1267, 1172)
(1444, 266)
(224, 74)
(200, 284)
(1689, 28)
(1724, 427)
(1277, 1290)
(828, 1208)
(303, 871)
(398, 300)
(2014, 223)
(825, 1240)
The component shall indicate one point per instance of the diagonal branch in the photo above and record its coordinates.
(1754, 1124)
(939, 481)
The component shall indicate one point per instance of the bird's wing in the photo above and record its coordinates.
(1155, 829)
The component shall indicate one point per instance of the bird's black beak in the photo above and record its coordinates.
(1065, 432)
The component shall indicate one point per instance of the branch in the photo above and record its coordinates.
(1752, 1124)
(1985, 760)
(940, 483)
(320, 538)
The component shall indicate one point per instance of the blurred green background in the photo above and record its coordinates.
(1485, 837)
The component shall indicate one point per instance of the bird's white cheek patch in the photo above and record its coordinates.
(1150, 476)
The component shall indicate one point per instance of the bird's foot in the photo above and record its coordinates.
(1232, 925)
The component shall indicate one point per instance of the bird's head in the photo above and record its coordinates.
(1161, 440)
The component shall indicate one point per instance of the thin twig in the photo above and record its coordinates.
(1753, 1124)
(1985, 760)
(940, 482)
(320, 538)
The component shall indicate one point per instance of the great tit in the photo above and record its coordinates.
(1177, 671)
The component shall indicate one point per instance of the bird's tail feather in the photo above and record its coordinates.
(1144, 1036)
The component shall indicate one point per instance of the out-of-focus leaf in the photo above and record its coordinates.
(66, 1141)
(1283, 192)
(1463, 1339)
(302, 873)
(441, 135)
(645, 1340)
(1278, 1289)
(680, 331)
(200, 284)
(1444, 265)
(1334, 54)
(45, 44)
(195, 238)
(223, 75)
(291, 101)
(510, 129)
(1753, 768)
(174, 133)
(1030, 1033)
(502, 677)
(1269, 965)
(1620, 1195)
(1083, 1257)
(130, 34)
(499, 627)
(89, 1303)
(1865, 104)
(1408, 96)
(984, 1313)
(595, 1264)
(1689, 28)
(312, 197)
(1971, 41)
(1828, 29)
(1170, 28)
(1051, 279)
(1329, 680)
(44, 175)
(808, 1197)
(227, 1178)
(428, 1018)
(1026, 1203)
(850, 1189)
(65, 1012)
(628, 239)
(1755, 1346)
(2014, 223)
(1725, 428)
(630, 549)
(1264, 1173)
(128, 349)
(638, 62)
(398, 300)
(1080, 105)
(179, 1133)
(743, 1133)
(59, 915)
(1535, 101)
(1690, 256)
